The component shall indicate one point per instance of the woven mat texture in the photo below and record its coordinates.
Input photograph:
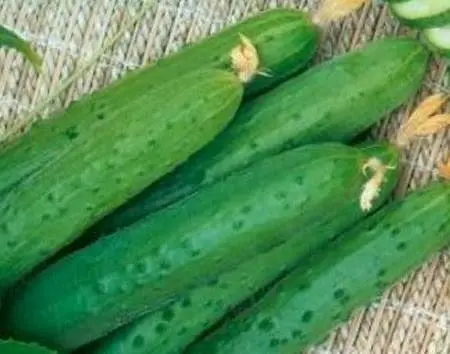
(414, 316)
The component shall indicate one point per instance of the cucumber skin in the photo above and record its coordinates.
(433, 47)
(101, 168)
(14, 347)
(138, 270)
(439, 20)
(351, 272)
(319, 105)
(209, 303)
(286, 40)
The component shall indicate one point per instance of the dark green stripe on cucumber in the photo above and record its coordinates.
(354, 270)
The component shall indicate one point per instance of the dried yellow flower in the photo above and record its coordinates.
(423, 120)
(444, 169)
(245, 60)
(427, 108)
(433, 125)
(332, 10)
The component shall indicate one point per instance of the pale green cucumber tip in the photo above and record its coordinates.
(432, 47)
(422, 23)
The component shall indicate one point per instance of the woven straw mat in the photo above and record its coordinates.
(414, 316)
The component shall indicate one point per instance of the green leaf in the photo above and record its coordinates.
(9, 39)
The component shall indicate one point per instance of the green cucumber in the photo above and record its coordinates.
(286, 40)
(354, 270)
(334, 101)
(423, 13)
(14, 347)
(209, 303)
(144, 267)
(104, 165)
(438, 39)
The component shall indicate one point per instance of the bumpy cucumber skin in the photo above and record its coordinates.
(357, 268)
(170, 330)
(286, 41)
(138, 270)
(334, 101)
(438, 20)
(14, 347)
(101, 168)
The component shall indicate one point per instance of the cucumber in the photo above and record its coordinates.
(104, 165)
(357, 268)
(142, 268)
(14, 347)
(181, 324)
(334, 101)
(209, 303)
(286, 40)
(423, 13)
(438, 39)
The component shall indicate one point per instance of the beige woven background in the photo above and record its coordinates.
(414, 317)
